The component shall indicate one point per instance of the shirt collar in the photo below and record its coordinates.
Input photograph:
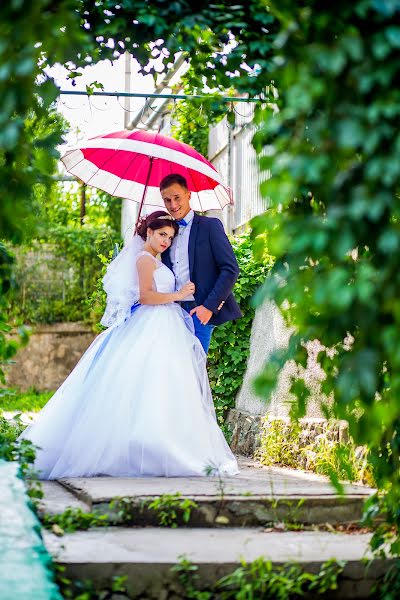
(189, 217)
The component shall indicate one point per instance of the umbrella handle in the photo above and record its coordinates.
(145, 190)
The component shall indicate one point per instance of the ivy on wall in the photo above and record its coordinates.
(230, 344)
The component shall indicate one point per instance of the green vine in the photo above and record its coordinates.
(230, 344)
(169, 507)
(12, 449)
(87, 590)
(191, 120)
(262, 580)
(74, 519)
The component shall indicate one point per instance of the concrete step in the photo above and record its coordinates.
(146, 555)
(257, 496)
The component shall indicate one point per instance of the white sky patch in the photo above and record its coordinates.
(97, 115)
(90, 116)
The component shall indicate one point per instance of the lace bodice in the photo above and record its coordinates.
(164, 280)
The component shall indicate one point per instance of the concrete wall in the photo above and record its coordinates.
(269, 333)
(51, 354)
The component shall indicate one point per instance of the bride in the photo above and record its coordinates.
(138, 403)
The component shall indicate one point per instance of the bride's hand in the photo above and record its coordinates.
(186, 290)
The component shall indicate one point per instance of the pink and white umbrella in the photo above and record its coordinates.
(131, 165)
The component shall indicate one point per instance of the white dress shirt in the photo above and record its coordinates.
(179, 254)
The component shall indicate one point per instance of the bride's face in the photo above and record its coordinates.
(161, 239)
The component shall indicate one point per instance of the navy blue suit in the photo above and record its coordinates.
(213, 268)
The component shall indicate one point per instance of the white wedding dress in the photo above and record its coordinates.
(138, 403)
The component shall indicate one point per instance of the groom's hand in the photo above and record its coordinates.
(203, 314)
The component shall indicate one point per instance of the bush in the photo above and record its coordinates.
(11, 449)
(56, 274)
(288, 444)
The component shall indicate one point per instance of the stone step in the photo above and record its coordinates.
(257, 496)
(146, 555)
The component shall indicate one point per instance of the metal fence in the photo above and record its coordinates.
(231, 152)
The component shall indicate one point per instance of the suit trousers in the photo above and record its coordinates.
(202, 332)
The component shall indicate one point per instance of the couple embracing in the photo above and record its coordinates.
(138, 403)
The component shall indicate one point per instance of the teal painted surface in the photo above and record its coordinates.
(24, 561)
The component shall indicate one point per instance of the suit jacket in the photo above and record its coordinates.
(213, 268)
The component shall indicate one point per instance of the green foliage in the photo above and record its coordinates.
(333, 150)
(170, 507)
(186, 573)
(230, 344)
(57, 272)
(389, 587)
(28, 150)
(334, 224)
(217, 37)
(8, 345)
(12, 449)
(123, 509)
(30, 401)
(262, 580)
(62, 204)
(87, 590)
(97, 300)
(57, 269)
(285, 444)
(193, 118)
(74, 519)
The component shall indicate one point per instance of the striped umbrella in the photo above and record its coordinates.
(131, 165)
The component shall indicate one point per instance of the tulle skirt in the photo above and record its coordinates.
(138, 404)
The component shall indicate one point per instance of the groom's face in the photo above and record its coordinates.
(177, 200)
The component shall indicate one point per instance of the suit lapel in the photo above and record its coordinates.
(166, 259)
(192, 242)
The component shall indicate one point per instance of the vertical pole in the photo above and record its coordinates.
(127, 100)
(230, 208)
(128, 208)
(82, 221)
(83, 203)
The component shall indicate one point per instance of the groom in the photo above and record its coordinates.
(200, 253)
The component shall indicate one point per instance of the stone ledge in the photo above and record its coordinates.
(69, 328)
(52, 353)
(247, 430)
(256, 496)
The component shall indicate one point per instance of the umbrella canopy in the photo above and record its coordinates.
(131, 165)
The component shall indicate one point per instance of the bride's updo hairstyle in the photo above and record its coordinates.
(155, 220)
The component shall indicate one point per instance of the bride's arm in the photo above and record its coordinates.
(146, 267)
